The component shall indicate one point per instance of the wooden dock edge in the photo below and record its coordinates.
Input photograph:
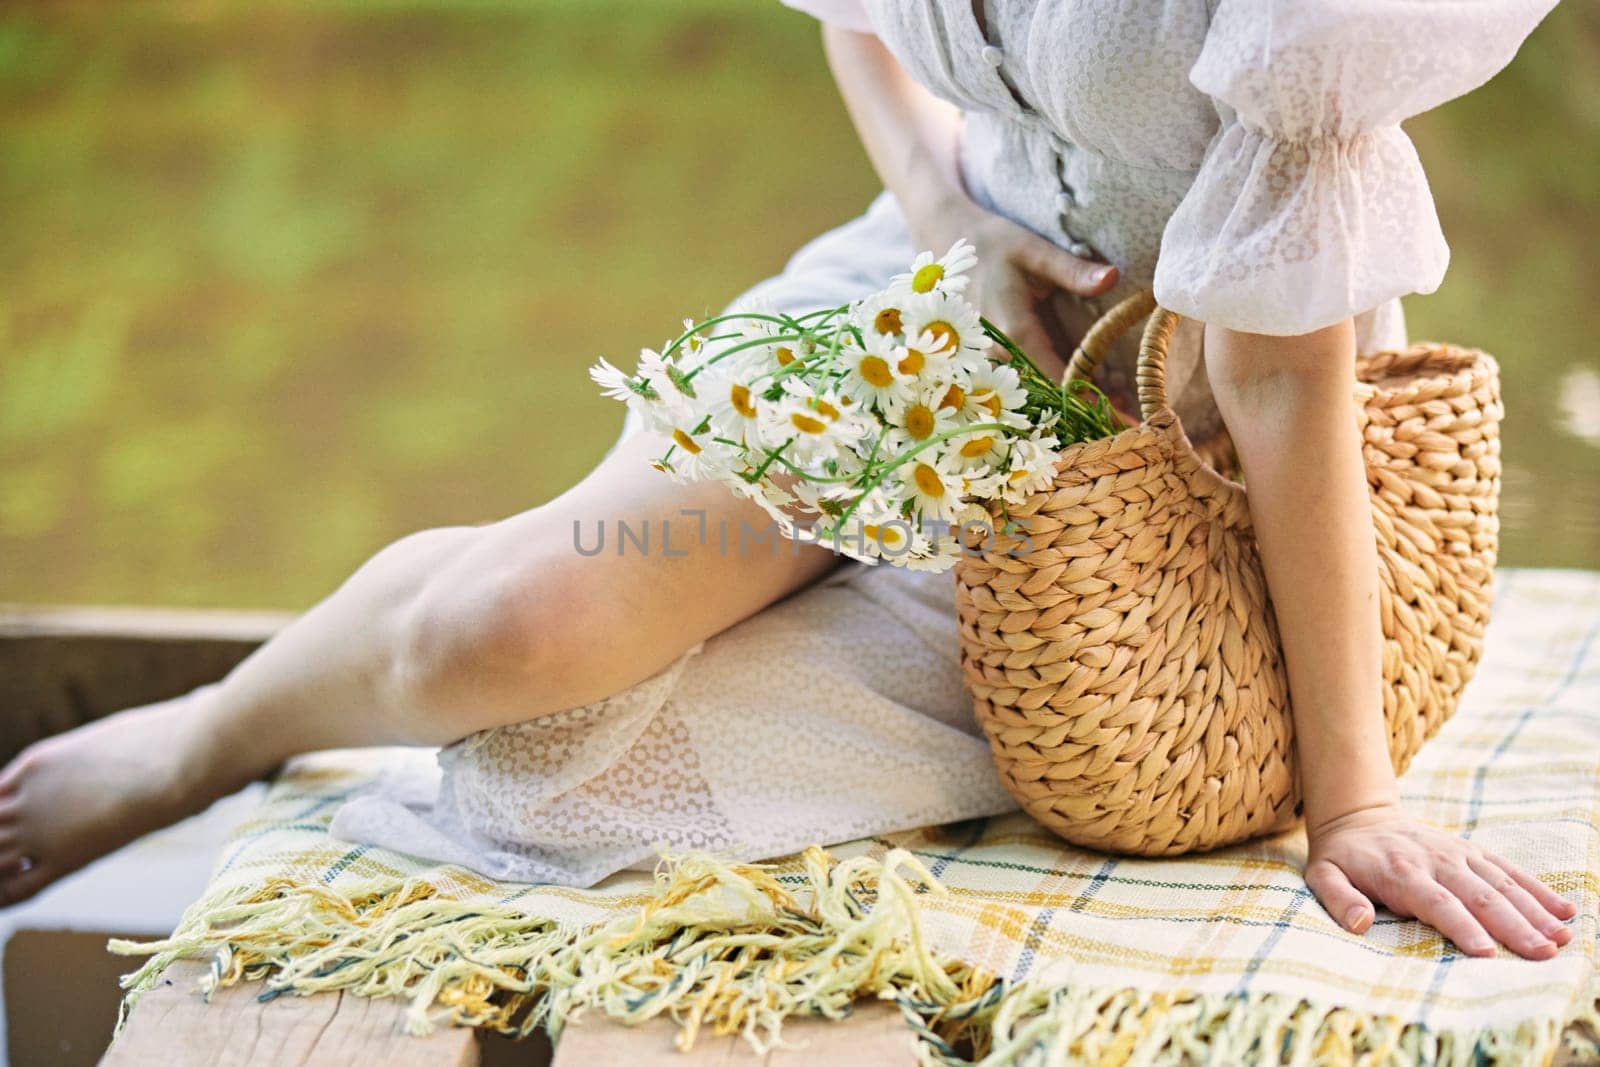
(63, 667)
(173, 1027)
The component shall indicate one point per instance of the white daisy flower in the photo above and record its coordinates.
(771, 497)
(924, 357)
(875, 530)
(874, 378)
(947, 272)
(818, 426)
(663, 375)
(891, 539)
(1030, 468)
(952, 323)
(983, 484)
(916, 417)
(992, 392)
(935, 554)
(967, 362)
(695, 457)
(730, 402)
(828, 499)
(614, 383)
(933, 488)
(880, 315)
(985, 449)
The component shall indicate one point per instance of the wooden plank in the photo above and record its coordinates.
(61, 996)
(62, 667)
(875, 1035)
(173, 1027)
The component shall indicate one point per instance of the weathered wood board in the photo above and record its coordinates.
(174, 1027)
(62, 667)
(875, 1035)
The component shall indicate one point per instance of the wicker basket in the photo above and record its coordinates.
(1124, 658)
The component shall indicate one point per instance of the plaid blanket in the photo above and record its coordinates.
(999, 940)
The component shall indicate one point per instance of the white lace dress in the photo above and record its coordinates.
(1243, 156)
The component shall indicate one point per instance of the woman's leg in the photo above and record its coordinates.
(441, 634)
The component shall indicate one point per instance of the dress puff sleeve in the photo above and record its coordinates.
(1311, 205)
(846, 14)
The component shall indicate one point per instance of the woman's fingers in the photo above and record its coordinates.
(1532, 909)
(1494, 912)
(1443, 910)
(1349, 907)
(1553, 902)
(1016, 314)
(1044, 260)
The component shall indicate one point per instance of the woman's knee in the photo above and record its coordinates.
(496, 637)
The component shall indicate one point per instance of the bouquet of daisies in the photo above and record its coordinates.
(882, 429)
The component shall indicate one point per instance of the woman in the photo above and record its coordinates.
(1242, 155)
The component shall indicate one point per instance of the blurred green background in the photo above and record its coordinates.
(280, 282)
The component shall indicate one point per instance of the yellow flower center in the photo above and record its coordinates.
(887, 321)
(928, 480)
(806, 424)
(875, 371)
(686, 442)
(828, 410)
(739, 396)
(884, 535)
(944, 333)
(925, 279)
(991, 400)
(919, 421)
(913, 362)
(953, 397)
(1017, 476)
(977, 446)
(785, 356)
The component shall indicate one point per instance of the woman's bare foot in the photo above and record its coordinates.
(70, 799)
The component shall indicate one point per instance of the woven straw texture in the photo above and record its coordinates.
(1121, 648)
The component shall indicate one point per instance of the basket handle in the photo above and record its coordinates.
(1151, 375)
(1152, 369)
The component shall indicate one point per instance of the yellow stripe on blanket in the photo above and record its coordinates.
(1001, 943)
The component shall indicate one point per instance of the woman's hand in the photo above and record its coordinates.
(1016, 273)
(1470, 895)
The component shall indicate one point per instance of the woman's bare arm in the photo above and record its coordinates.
(1287, 404)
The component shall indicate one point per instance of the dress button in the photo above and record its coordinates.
(993, 56)
(1066, 201)
(1083, 250)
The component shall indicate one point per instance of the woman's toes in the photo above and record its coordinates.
(22, 881)
(11, 777)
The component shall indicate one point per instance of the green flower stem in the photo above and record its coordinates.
(901, 459)
(773, 454)
(731, 349)
(1079, 420)
(791, 322)
(737, 316)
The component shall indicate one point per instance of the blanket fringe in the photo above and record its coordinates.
(726, 947)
